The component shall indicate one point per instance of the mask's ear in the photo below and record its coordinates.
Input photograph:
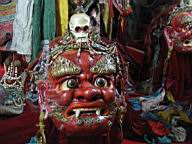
(168, 32)
(42, 86)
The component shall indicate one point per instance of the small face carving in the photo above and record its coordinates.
(80, 93)
(14, 66)
(179, 33)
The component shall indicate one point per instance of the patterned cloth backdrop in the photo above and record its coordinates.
(7, 15)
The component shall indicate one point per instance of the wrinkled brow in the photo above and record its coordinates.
(106, 65)
(62, 66)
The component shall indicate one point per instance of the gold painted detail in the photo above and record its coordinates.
(60, 116)
(41, 139)
(62, 66)
(107, 65)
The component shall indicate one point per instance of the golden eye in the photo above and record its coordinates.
(69, 84)
(101, 82)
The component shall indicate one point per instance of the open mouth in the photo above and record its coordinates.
(77, 112)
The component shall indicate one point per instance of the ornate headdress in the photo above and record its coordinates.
(185, 6)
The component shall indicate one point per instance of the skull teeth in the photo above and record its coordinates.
(77, 113)
(97, 111)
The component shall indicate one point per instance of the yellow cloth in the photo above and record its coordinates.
(107, 20)
(167, 115)
(170, 96)
(62, 11)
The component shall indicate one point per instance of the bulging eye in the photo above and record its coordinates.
(101, 82)
(69, 84)
(187, 43)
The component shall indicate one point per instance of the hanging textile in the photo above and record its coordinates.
(62, 11)
(49, 26)
(44, 25)
(22, 27)
(7, 15)
(107, 16)
(37, 27)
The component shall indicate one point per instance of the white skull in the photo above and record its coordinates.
(79, 26)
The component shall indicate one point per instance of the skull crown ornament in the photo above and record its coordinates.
(84, 91)
(79, 26)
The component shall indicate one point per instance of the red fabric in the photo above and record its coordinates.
(158, 128)
(1, 71)
(131, 142)
(18, 129)
(179, 71)
(111, 8)
(137, 55)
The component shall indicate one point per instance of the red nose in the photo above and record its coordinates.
(87, 92)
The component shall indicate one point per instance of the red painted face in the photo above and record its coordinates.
(80, 93)
(179, 35)
(183, 26)
(182, 22)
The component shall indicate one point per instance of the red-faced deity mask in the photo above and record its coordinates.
(80, 94)
(179, 33)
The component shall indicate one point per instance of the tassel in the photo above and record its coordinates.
(40, 136)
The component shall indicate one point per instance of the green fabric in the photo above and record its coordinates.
(37, 27)
(49, 24)
(44, 24)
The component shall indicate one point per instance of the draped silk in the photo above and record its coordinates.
(179, 76)
(62, 16)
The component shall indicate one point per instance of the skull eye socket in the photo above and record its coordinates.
(69, 84)
(101, 82)
(79, 29)
(85, 28)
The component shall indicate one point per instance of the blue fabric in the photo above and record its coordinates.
(33, 140)
(136, 104)
(158, 140)
(150, 116)
(32, 97)
(164, 140)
